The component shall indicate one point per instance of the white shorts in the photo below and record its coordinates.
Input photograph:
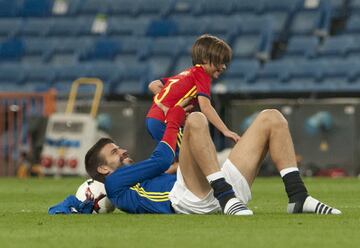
(185, 202)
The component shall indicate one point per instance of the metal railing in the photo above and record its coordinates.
(16, 109)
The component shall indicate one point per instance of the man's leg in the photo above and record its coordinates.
(270, 133)
(199, 166)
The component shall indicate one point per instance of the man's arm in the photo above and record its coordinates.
(208, 110)
(160, 159)
(155, 86)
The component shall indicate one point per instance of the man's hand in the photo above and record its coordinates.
(232, 135)
(184, 104)
(162, 107)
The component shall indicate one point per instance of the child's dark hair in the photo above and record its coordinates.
(210, 49)
(93, 159)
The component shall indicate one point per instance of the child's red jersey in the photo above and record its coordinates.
(191, 82)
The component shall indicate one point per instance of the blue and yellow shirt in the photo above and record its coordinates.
(143, 187)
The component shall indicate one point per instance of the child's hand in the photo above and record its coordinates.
(232, 135)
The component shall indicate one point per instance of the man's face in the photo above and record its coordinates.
(214, 71)
(115, 157)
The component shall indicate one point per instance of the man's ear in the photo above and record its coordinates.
(103, 169)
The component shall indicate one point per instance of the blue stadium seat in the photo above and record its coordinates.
(102, 49)
(35, 27)
(9, 8)
(214, 7)
(221, 26)
(278, 6)
(65, 26)
(154, 7)
(189, 26)
(354, 5)
(353, 51)
(9, 26)
(161, 54)
(182, 63)
(161, 27)
(311, 19)
(162, 46)
(65, 51)
(91, 7)
(123, 7)
(278, 11)
(247, 7)
(306, 72)
(11, 49)
(279, 21)
(337, 46)
(336, 72)
(131, 48)
(246, 46)
(36, 50)
(72, 8)
(188, 43)
(353, 24)
(184, 8)
(274, 72)
(126, 26)
(38, 77)
(254, 37)
(134, 80)
(242, 70)
(65, 75)
(353, 83)
(11, 74)
(301, 47)
(39, 8)
(69, 73)
(107, 72)
(252, 24)
(339, 8)
(160, 66)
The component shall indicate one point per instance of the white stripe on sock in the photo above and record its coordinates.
(288, 170)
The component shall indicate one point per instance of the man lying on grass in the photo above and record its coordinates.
(201, 186)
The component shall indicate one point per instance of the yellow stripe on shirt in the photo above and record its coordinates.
(152, 196)
(191, 92)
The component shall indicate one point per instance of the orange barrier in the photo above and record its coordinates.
(15, 110)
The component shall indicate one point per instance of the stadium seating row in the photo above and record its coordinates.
(322, 75)
(153, 38)
(118, 78)
(150, 7)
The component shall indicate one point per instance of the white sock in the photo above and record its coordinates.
(215, 176)
(288, 170)
(235, 207)
(311, 205)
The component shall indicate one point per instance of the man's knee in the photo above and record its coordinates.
(196, 120)
(273, 118)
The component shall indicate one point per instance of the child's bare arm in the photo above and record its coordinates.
(208, 110)
(155, 86)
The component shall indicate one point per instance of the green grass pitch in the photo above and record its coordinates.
(24, 221)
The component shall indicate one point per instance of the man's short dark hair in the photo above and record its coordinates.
(93, 159)
(211, 49)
